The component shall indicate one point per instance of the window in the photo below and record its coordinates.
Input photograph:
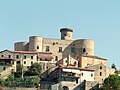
(60, 49)
(46, 59)
(28, 67)
(2, 55)
(24, 62)
(40, 59)
(31, 62)
(72, 49)
(24, 57)
(91, 75)
(56, 58)
(17, 56)
(4, 68)
(76, 80)
(31, 57)
(37, 47)
(9, 56)
(47, 48)
(100, 67)
(84, 50)
(100, 73)
(18, 62)
(82, 74)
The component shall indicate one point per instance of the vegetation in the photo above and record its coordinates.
(16, 79)
(111, 83)
(35, 69)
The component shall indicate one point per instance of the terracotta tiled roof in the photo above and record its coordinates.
(45, 57)
(96, 57)
(27, 52)
(4, 58)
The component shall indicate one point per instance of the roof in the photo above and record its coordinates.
(45, 57)
(4, 58)
(66, 29)
(87, 69)
(95, 57)
(27, 52)
(117, 71)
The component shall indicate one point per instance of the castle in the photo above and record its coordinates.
(66, 63)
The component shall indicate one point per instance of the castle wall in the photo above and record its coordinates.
(54, 45)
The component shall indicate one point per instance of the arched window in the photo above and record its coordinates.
(65, 88)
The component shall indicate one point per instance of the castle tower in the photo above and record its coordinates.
(66, 33)
(21, 46)
(85, 47)
(35, 43)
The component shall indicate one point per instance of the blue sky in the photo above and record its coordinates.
(90, 19)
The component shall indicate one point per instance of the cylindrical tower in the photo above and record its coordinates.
(21, 46)
(35, 43)
(66, 33)
(85, 47)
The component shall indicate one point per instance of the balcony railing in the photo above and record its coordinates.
(70, 74)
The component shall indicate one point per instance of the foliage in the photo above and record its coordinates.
(36, 69)
(111, 83)
(19, 68)
(19, 82)
(1, 83)
(20, 71)
(113, 66)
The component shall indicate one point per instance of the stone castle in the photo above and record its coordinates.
(67, 64)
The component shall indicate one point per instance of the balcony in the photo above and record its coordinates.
(70, 74)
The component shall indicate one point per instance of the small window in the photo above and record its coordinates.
(100, 73)
(82, 74)
(66, 61)
(2, 55)
(60, 49)
(28, 67)
(46, 59)
(37, 58)
(84, 50)
(31, 57)
(76, 80)
(31, 62)
(24, 57)
(40, 59)
(17, 56)
(4, 68)
(9, 56)
(47, 48)
(100, 67)
(56, 58)
(24, 62)
(37, 47)
(18, 62)
(91, 75)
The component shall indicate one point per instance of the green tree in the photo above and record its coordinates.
(35, 68)
(111, 83)
(20, 70)
(2, 82)
(113, 66)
